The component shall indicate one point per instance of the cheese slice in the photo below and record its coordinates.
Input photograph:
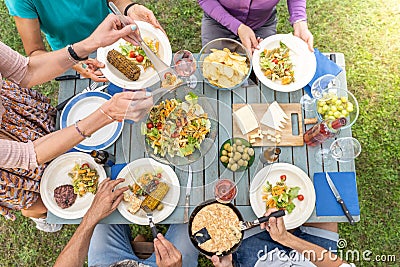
(277, 107)
(246, 119)
(271, 120)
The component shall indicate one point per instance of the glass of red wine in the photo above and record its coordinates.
(185, 66)
(225, 190)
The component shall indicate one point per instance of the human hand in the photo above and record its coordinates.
(301, 30)
(167, 255)
(110, 31)
(106, 200)
(276, 228)
(248, 38)
(92, 70)
(225, 261)
(139, 12)
(132, 105)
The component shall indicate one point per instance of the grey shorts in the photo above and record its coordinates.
(212, 29)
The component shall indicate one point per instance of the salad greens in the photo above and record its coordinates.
(280, 196)
(176, 128)
(276, 64)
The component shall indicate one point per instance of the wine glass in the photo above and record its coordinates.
(225, 190)
(319, 86)
(343, 149)
(185, 66)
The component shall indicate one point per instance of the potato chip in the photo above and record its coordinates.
(225, 69)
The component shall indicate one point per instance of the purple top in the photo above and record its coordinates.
(253, 13)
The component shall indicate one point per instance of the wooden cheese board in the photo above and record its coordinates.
(291, 134)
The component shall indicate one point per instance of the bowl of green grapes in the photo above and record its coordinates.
(337, 103)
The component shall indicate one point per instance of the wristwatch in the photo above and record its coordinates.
(73, 54)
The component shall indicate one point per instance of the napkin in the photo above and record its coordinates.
(326, 203)
(115, 170)
(324, 66)
(113, 89)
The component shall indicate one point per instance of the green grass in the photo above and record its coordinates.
(366, 31)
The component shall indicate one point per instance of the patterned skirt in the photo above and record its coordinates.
(28, 116)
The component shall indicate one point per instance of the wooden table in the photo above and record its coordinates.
(129, 147)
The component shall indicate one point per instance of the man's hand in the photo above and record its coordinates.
(225, 261)
(276, 228)
(166, 254)
(301, 30)
(248, 38)
(139, 12)
(106, 200)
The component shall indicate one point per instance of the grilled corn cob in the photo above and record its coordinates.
(124, 65)
(153, 199)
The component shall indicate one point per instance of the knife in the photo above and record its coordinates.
(70, 77)
(339, 198)
(187, 199)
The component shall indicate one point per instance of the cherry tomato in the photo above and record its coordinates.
(283, 177)
(85, 165)
(139, 58)
(275, 61)
(300, 197)
(159, 125)
(150, 125)
(131, 54)
(158, 175)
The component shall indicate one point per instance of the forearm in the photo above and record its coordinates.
(297, 10)
(316, 254)
(74, 254)
(43, 67)
(57, 143)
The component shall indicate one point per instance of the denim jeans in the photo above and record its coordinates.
(111, 243)
(257, 245)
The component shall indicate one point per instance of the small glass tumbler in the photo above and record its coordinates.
(225, 190)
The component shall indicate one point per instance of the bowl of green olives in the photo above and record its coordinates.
(236, 154)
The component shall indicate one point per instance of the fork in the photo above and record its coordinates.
(91, 87)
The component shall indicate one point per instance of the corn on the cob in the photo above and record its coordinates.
(153, 199)
(124, 65)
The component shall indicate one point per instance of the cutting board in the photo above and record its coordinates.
(291, 135)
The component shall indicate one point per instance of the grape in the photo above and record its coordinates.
(332, 107)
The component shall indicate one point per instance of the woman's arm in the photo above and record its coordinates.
(298, 18)
(130, 105)
(44, 67)
(29, 30)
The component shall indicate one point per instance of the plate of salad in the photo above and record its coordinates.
(283, 186)
(180, 128)
(155, 39)
(284, 63)
(145, 178)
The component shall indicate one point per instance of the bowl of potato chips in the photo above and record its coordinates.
(224, 63)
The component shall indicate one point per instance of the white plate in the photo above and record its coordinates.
(295, 177)
(80, 107)
(304, 62)
(56, 174)
(170, 201)
(147, 78)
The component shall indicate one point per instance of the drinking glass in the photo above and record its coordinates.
(270, 155)
(225, 190)
(319, 86)
(185, 66)
(342, 149)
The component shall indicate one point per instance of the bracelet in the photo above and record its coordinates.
(79, 130)
(73, 54)
(71, 59)
(108, 116)
(127, 8)
(299, 20)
